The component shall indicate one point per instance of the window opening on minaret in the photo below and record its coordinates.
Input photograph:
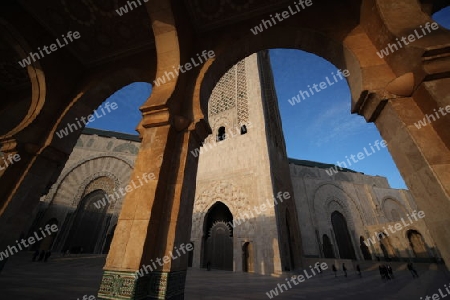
(221, 134)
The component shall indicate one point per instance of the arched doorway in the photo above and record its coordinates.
(47, 242)
(328, 251)
(343, 239)
(417, 243)
(248, 257)
(88, 224)
(386, 247)
(218, 238)
(364, 249)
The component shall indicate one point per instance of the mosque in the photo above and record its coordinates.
(255, 209)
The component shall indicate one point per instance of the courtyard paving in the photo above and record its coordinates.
(72, 277)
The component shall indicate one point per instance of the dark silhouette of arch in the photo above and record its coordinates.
(343, 239)
(364, 249)
(88, 224)
(328, 251)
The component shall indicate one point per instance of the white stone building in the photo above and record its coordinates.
(243, 170)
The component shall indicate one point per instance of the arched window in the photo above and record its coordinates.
(243, 129)
(220, 134)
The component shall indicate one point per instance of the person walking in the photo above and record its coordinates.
(412, 270)
(344, 269)
(390, 272)
(35, 255)
(358, 269)
(334, 270)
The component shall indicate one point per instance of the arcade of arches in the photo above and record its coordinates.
(393, 92)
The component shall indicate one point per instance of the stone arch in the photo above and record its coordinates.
(227, 193)
(85, 233)
(387, 22)
(417, 243)
(73, 184)
(323, 207)
(35, 77)
(389, 204)
(340, 51)
(431, 6)
(217, 241)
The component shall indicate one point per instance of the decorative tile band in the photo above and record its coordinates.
(155, 285)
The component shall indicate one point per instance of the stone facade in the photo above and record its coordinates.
(101, 161)
(369, 206)
(261, 210)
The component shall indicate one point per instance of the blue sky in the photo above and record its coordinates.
(319, 128)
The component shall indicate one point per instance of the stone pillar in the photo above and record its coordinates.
(156, 218)
(422, 155)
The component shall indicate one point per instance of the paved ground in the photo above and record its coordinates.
(71, 278)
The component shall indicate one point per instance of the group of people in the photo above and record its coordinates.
(43, 255)
(386, 272)
(344, 269)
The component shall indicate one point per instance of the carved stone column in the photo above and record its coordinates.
(156, 218)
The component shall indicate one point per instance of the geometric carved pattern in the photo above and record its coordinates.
(154, 285)
(228, 194)
(242, 101)
(117, 285)
(101, 183)
(224, 93)
(231, 92)
(81, 191)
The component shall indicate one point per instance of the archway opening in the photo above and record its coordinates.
(417, 244)
(388, 251)
(88, 224)
(248, 257)
(342, 235)
(218, 238)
